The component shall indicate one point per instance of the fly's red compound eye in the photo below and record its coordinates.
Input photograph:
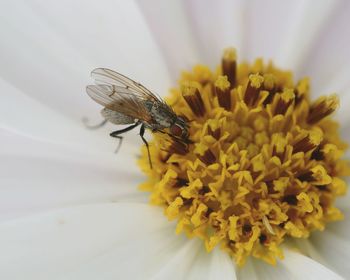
(176, 130)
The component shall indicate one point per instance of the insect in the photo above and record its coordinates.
(128, 102)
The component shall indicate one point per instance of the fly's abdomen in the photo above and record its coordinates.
(116, 117)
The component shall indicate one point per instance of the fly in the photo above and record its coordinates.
(128, 102)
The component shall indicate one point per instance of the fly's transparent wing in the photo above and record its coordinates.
(104, 76)
(121, 100)
(100, 94)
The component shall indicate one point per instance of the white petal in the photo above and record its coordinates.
(248, 271)
(37, 175)
(267, 25)
(201, 267)
(264, 271)
(181, 262)
(294, 266)
(306, 22)
(300, 266)
(140, 258)
(22, 114)
(49, 49)
(217, 25)
(106, 241)
(214, 265)
(222, 266)
(328, 62)
(171, 29)
(37, 184)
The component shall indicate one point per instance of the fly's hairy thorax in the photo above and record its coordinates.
(161, 115)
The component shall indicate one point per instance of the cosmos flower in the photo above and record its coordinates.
(70, 207)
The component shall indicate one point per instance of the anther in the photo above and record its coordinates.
(306, 176)
(317, 175)
(317, 154)
(322, 107)
(177, 147)
(222, 91)
(193, 98)
(323, 188)
(253, 89)
(208, 157)
(214, 132)
(291, 199)
(308, 143)
(229, 65)
(286, 99)
(180, 182)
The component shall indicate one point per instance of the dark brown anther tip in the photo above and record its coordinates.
(229, 66)
(308, 143)
(181, 182)
(306, 176)
(178, 147)
(216, 133)
(254, 86)
(284, 102)
(222, 91)
(322, 107)
(208, 157)
(193, 98)
(291, 199)
(323, 188)
(317, 154)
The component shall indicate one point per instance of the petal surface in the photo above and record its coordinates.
(217, 26)
(210, 266)
(104, 241)
(49, 48)
(328, 60)
(172, 30)
(293, 267)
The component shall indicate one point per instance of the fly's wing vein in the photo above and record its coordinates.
(119, 99)
(106, 76)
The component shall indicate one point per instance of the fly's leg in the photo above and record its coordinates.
(116, 134)
(142, 132)
(89, 126)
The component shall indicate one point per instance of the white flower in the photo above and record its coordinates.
(70, 208)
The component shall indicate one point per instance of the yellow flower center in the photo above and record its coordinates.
(265, 163)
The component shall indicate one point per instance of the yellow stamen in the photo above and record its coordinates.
(263, 164)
